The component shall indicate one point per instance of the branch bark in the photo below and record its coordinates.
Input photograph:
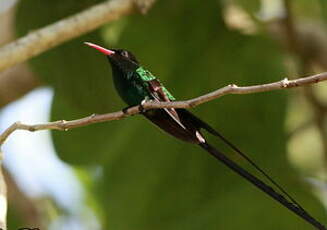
(230, 89)
(71, 27)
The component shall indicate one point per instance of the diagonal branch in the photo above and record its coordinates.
(230, 89)
(52, 35)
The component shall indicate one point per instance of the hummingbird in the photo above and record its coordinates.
(136, 85)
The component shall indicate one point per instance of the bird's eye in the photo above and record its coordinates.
(124, 53)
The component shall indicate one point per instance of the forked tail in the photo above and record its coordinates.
(262, 186)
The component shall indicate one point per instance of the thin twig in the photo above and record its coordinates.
(50, 36)
(230, 89)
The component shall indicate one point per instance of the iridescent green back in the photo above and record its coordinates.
(133, 87)
(146, 75)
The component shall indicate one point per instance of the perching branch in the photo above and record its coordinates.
(230, 89)
(50, 36)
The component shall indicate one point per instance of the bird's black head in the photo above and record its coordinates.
(120, 59)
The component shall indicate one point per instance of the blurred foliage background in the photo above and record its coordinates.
(147, 180)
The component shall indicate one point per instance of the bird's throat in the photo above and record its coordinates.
(128, 88)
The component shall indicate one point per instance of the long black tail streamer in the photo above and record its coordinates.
(248, 159)
(204, 125)
(262, 186)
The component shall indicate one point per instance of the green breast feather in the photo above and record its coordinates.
(146, 75)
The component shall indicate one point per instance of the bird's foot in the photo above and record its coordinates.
(141, 106)
(125, 110)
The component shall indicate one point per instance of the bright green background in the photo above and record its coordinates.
(150, 180)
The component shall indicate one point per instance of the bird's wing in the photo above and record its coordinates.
(157, 91)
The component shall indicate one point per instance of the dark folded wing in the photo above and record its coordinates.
(168, 119)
